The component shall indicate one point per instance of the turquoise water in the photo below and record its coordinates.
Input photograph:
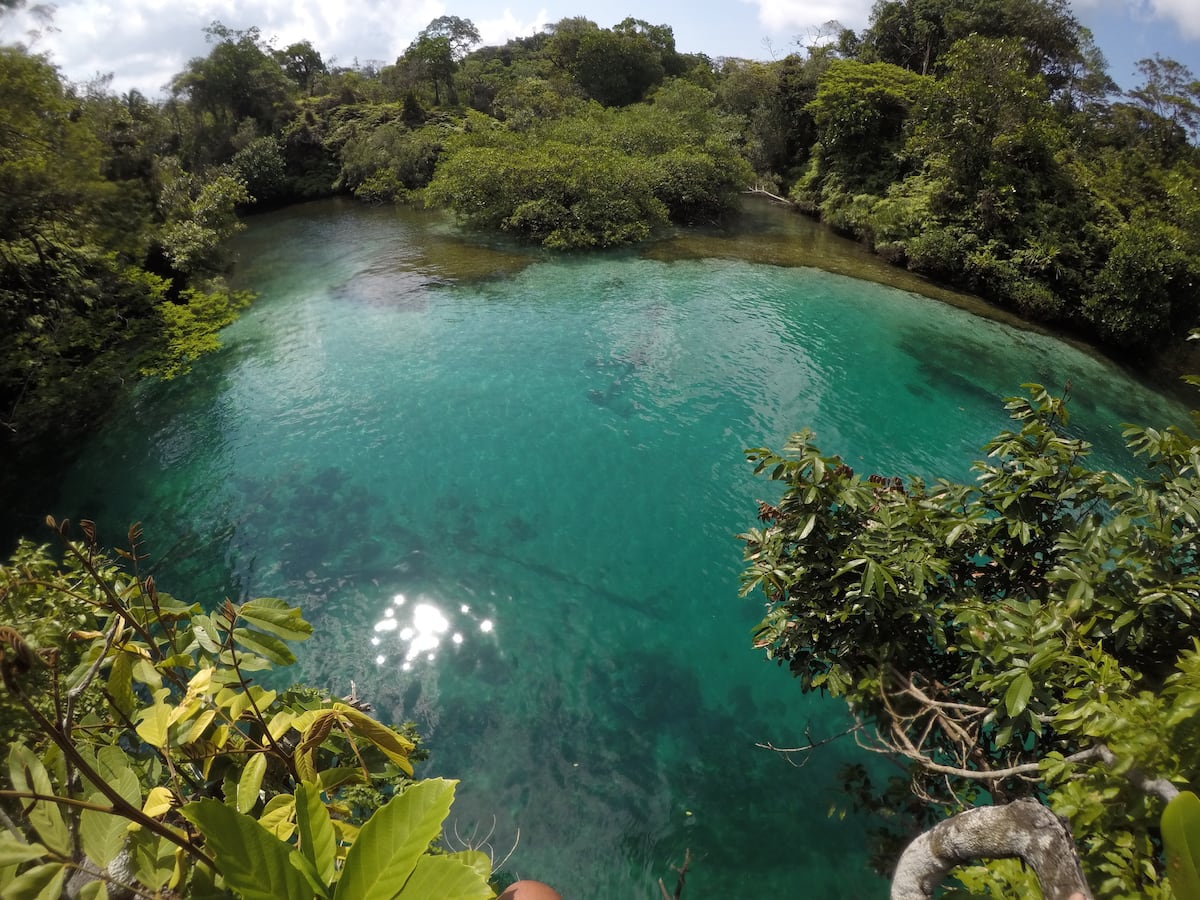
(505, 486)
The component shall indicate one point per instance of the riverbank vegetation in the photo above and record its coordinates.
(1023, 642)
(980, 144)
(150, 755)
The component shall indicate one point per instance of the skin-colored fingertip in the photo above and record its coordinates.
(530, 890)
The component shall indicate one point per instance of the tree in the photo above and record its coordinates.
(146, 756)
(239, 80)
(433, 59)
(436, 52)
(1031, 636)
(859, 112)
(302, 63)
(617, 68)
(461, 34)
(598, 178)
(1171, 93)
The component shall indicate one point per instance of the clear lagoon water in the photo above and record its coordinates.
(505, 487)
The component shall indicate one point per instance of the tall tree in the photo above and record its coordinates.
(1171, 93)
(460, 33)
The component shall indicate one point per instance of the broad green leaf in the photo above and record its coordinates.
(102, 834)
(196, 732)
(94, 890)
(447, 879)
(250, 782)
(392, 744)
(144, 671)
(153, 858)
(392, 840)
(305, 867)
(158, 802)
(808, 527)
(280, 723)
(1181, 840)
(238, 701)
(265, 645)
(155, 720)
(1016, 698)
(254, 863)
(28, 774)
(317, 841)
(185, 711)
(476, 859)
(273, 615)
(42, 882)
(331, 779)
(113, 766)
(206, 633)
(201, 683)
(14, 851)
(120, 683)
(313, 736)
(277, 816)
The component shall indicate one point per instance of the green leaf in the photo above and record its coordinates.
(278, 815)
(113, 766)
(447, 879)
(28, 774)
(14, 851)
(254, 863)
(264, 645)
(1181, 839)
(808, 527)
(39, 883)
(155, 721)
(206, 633)
(153, 858)
(305, 867)
(389, 845)
(102, 834)
(334, 778)
(250, 782)
(395, 746)
(476, 859)
(94, 890)
(1016, 698)
(273, 615)
(317, 841)
(120, 683)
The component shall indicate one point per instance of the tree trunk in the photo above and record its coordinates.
(1023, 830)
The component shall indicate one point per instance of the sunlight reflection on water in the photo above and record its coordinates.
(421, 636)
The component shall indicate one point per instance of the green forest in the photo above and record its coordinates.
(981, 144)
(1050, 608)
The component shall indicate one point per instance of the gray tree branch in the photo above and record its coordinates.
(1023, 830)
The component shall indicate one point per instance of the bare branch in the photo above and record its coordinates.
(682, 870)
(812, 745)
(1023, 830)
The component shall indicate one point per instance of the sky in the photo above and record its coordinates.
(143, 43)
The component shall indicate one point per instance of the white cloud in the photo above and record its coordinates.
(146, 42)
(501, 30)
(781, 15)
(1184, 13)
